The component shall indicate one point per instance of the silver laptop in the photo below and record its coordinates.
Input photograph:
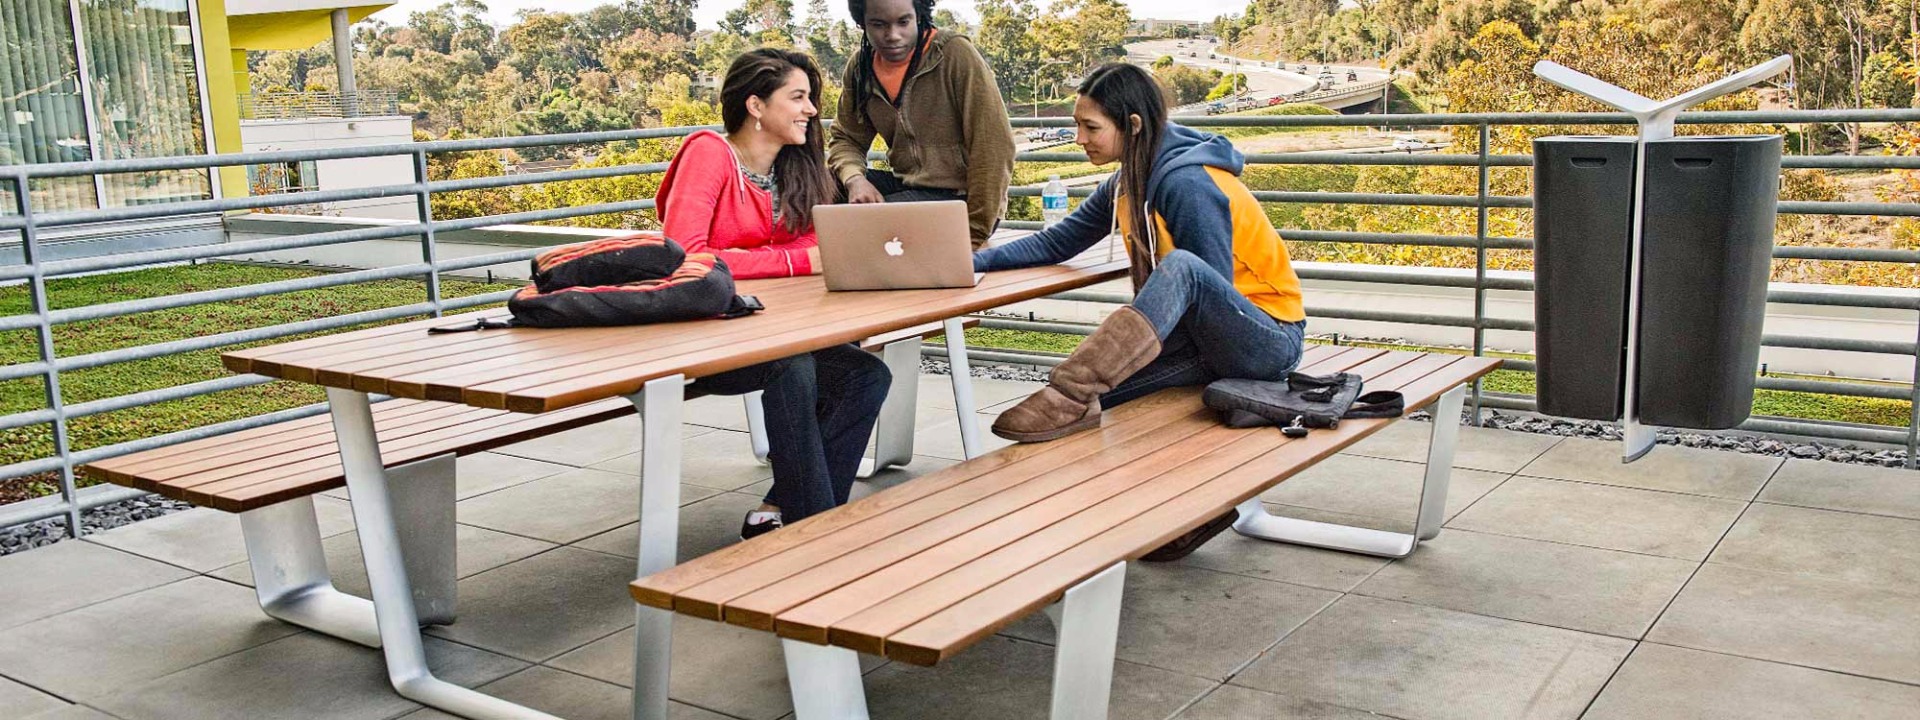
(895, 246)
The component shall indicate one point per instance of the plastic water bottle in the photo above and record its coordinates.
(1053, 201)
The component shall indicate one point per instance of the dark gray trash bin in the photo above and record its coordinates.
(1707, 249)
(1583, 215)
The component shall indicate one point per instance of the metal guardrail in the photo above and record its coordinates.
(319, 104)
(24, 221)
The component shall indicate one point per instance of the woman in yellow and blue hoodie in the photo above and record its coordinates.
(1214, 293)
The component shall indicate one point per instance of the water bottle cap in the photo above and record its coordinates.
(1053, 178)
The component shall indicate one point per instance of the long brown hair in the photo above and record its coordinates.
(800, 169)
(1124, 91)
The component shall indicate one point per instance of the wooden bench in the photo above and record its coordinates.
(893, 434)
(269, 475)
(923, 570)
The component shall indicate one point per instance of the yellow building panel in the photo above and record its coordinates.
(295, 30)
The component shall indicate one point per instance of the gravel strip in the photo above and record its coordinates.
(106, 517)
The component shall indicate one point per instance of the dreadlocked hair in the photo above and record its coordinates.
(862, 62)
(1124, 91)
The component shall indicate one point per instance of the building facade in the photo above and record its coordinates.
(117, 79)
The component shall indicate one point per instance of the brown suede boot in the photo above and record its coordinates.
(1070, 402)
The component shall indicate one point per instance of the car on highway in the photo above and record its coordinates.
(1303, 67)
(1353, 76)
(1327, 80)
(1050, 135)
(1409, 144)
(1276, 100)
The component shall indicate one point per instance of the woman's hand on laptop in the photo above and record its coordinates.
(859, 190)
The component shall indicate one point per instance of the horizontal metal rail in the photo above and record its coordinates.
(431, 267)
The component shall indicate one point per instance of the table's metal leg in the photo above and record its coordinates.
(373, 512)
(1256, 522)
(824, 681)
(961, 375)
(756, 424)
(660, 405)
(1088, 624)
(893, 434)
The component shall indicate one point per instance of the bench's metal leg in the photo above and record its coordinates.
(825, 682)
(1256, 522)
(893, 434)
(1088, 621)
(290, 574)
(961, 374)
(373, 512)
(660, 406)
(423, 505)
(756, 424)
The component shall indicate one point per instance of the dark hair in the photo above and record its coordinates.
(862, 62)
(800, 169)
(1123, 91)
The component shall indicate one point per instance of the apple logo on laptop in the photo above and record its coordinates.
(894, 248)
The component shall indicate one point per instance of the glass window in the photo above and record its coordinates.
(279, 178)
(146, 95)
(42, 115)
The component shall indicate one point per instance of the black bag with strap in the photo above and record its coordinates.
(636, 279)
(1301, 400)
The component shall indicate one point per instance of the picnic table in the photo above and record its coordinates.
(529, 370)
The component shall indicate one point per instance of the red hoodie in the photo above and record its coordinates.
(707, 205)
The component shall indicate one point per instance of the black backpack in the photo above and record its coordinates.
(630, 280)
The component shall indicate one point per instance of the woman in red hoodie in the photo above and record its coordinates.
(747, 197)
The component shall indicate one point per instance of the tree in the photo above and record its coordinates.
(1008, 48)
(668, 17)
(1185, 83)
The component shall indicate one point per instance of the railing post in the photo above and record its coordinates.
(37, 296)
(1913, 409)
(1480, 271)
(428, 252)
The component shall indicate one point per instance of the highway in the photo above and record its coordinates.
(1264, 80)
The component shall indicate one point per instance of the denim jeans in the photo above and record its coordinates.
(820, 410)
(1208, 331)
(894, 190)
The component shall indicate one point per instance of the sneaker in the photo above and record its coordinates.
(759, 523)
(1185, 544)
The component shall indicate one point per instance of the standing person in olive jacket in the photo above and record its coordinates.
(931, 96)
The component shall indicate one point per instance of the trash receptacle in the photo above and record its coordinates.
(1583, 227)
(1706, 254)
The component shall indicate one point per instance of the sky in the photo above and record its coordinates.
(710, 11)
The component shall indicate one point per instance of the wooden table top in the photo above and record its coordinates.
(537, 370)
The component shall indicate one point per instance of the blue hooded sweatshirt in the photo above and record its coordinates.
(1198, 204)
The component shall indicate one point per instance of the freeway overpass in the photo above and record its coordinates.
(1266, 80)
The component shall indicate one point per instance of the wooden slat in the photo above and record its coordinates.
(526, 428)
(260, 447)
(810, 620)
(265, 460)
(560, 352)
(1128, 433)
(707, 599)
(612, 381)
(659, 589)
(807, 605)
(1085, 508)
(367, 369)
(978, 613)
(247, 440)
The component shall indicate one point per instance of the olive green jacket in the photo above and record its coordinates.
(950, 132)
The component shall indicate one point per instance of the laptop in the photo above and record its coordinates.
(895, 245)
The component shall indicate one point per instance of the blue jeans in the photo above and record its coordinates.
(820, 410)
(1208, 331)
